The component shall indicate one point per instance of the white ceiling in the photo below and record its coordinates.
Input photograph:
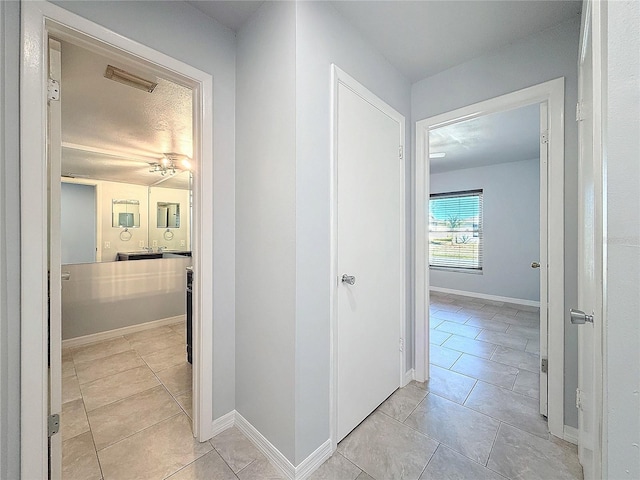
(421, 38)
(230, 13)
(112, 131)
(115, 131)
(502, 137)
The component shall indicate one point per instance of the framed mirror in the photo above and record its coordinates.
(125, 213)
(168, 215)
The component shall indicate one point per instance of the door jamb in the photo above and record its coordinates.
(551, 92)
(38, 19)
(339, 76)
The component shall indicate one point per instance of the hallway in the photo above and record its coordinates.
(127, 408)
(477, 417)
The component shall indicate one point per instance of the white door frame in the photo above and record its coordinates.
(339, 76)
(38, 19)
(551, 92)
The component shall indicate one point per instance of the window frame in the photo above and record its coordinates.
(479, 192)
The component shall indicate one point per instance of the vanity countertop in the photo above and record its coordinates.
(144, 255)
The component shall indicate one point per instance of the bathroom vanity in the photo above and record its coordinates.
(144, 255)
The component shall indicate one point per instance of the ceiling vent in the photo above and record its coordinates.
(126, 78)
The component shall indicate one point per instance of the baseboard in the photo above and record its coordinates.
(409, 376)
(570, 434)
(484, 296)
(275, 457)
(100, 336)
(221, 424)
(313, 461)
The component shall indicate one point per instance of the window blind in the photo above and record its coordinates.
(455, 230)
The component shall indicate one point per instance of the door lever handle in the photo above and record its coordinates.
(535, 265)
(348, 279)
(578, 317)
(65, 275)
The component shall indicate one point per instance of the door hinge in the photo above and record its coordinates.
(544, 365)
(402, 345)
(579, 116)
(400, 152)
(544, 137)
(54, 424)
(578, 399)
(53, 90)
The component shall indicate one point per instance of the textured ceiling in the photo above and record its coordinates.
(502, 137)
(113, 131)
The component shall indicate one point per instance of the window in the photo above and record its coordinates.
(455, 230)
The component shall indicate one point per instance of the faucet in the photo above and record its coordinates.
(148, 249)
(161, 249)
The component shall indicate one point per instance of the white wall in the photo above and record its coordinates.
(622, 243)
(9, 242)
(100, 297)
(265, 223)
(536, 59)
(183, 32)
(324, 37)
(511, 229)
(283, 146)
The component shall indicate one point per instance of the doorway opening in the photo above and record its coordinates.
(126, 168)
(482, 262)
(41, 366)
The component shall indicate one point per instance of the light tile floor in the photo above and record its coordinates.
(477, 416)
(128, 405)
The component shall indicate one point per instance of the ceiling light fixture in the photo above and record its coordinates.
(164, 167)
(126, 78)
(437, 155)
(168, 164)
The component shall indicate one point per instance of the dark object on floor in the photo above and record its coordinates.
(189, 313)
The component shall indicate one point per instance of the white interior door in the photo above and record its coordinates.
(54, 154)
(370, 239)
(589, 324)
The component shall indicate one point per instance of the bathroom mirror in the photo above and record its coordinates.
(128, 218)
(125, 213)
(168, 215)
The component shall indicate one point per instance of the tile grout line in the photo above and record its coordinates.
(493, 444)
(223, 459)
(430, 459)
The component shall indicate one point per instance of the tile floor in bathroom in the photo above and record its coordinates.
(127, 407)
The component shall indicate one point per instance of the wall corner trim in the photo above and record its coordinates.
(275, 457)
(223, 423)
(570, 434)
(314, 460)
(409, 376)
